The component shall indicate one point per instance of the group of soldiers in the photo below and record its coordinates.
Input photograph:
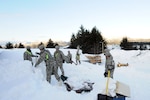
(52, 62)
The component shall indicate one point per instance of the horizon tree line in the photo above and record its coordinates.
(91, 42)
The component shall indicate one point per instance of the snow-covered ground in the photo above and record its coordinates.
(18, 82)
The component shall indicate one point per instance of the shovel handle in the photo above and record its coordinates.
(107, 82)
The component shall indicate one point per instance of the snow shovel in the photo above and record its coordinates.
(102, 96)
(33, 68)
(107, 82)
(74, 62)
(64, 78)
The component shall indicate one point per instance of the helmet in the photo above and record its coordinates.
(28, 47)
(57, 47)
(107, 52)
(41, 47)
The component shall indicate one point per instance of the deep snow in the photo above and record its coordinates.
(18, 82)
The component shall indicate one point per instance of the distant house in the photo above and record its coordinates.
(140, 45)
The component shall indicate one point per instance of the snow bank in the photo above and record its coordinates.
(18, 82)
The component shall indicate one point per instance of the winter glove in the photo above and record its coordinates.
(105, 74)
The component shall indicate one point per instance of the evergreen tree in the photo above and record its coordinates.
(1, 46)
(21, 45)
(124, 43)
(9, 45)
(94, 45)
(73, 42)
(73, 38)
(90, 42)
(50, 44)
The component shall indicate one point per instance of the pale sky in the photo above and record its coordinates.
(38, 20)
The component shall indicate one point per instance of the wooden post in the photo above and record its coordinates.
(102, 46)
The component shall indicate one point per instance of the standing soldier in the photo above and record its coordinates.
(59, 58)
(28, 54)
(46, 56)
(78, 55)
(78, 58)
(109, 64)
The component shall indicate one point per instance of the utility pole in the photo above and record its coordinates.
(102, 46)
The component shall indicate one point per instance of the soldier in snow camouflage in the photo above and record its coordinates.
(109, 64)
(46, 56)
(28, 54)
(59, 58)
